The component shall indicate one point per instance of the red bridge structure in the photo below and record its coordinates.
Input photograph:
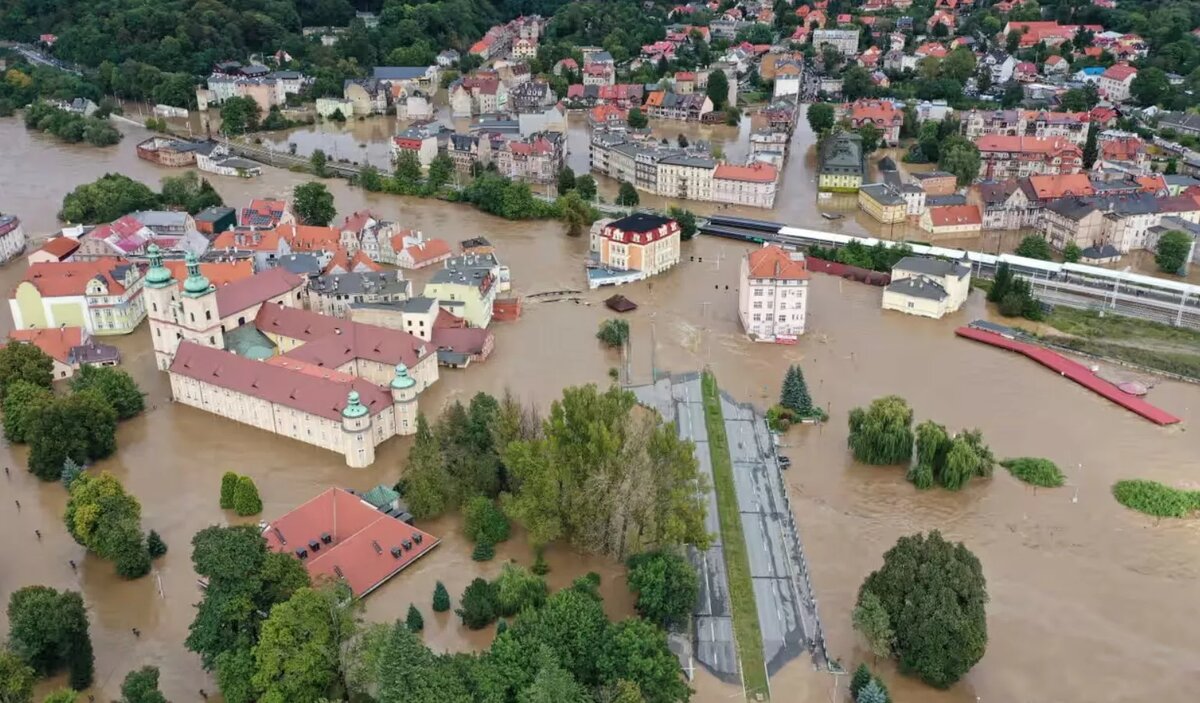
(1073, 370)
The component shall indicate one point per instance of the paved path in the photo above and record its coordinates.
(679, 400)
(787, 613)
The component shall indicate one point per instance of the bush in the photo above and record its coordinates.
(245, 497)
(133, 557)
(155, 545)
(479, 608)
(484, 522)
(613, 333)
(540, 566)
(1038, 472)
(414, 621)
(441, 598)
(229, 484)
(1154, 498)
(518, 588)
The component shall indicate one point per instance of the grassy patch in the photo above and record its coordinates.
(737, 562)
(1089, 323)
(1175, 362)
(1034, 471)
(1154, 498)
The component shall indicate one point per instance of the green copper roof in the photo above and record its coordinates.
(158, 276)
(249, 342)
(381, 496)
(402, 380)
(195, 284)
(353, 407)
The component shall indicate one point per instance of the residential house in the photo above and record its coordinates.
(266, 214)
(882, 202)
(844, 40)
(773, 294)
(336, 294)
(532, 96)
(1116, 81)
(68, 348)
(642, 243)
(421, 142)
(952, 221)
(448, 58)
(999, 65)
(1015, 157)
(537, 159)
(466, 150)
(368, 96)
(466, 287)
(880, 113)
(1056, 65)
(672, 106)
(927, 287)
(936, 183)
(752, 185)
(265, 245)
(841, 163)
(1005, 205)
(104, 297)
(788, 76)
(1072, 126)
(419, 252)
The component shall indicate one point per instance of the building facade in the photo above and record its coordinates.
(641, 242)
(773, 294)
(927, 287)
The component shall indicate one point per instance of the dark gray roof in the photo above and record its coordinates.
(931, 267)
(941, 200)
(94, 353)
(474, 242)
(842, 153)
(214, 213)
(419, 305)
(399, 73)
(882, 194)
(371, 282)
(920, 176)
(1104, 251)
(302, 264)
(918, 287)
(992, 192)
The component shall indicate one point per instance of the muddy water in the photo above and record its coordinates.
(1088, 600)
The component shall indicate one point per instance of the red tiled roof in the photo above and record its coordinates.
(773, 262)
(685, 76)
(357, 221)
(758, 172)
(60, 247)
(56, 342)
(362, 539)
(331, 342)
(1054, 187)
(877, 111)
(1122, 148)
(949, 215)
(1152, 183)
(1119, 72)
(428, 250)
(292, 388)
(309, 238)
(54, 279)
(248, 292)
(252, 240)
(1024, 145)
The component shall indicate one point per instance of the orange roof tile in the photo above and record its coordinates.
(56, 279)
(950, 215)
(757, 172)
(56, 343)
(60, 247)
(773, 262)
(428, 250)
(1054, 187)
(218, 273)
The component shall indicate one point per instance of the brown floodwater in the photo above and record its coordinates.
(1089, 601)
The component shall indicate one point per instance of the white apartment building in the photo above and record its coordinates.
(773, 295)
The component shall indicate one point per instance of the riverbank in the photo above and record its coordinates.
(1141, 344)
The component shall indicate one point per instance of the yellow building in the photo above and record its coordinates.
(103, 297)
(841, 168)
(882, 202)
(927, 287)
(466, 287)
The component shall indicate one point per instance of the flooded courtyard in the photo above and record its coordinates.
(1089, 601)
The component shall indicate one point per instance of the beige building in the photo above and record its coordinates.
(773, 295)
(641, 242)
(257, 358)
(752, 185)
(927, 287)
(952, 220)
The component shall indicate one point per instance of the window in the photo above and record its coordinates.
(154, 307)
(192, 315)
(208, 314)
(212, 341)
(757, 317)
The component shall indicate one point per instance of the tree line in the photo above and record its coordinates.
(114, 195)
(69, 126)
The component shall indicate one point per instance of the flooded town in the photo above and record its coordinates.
(800, 321)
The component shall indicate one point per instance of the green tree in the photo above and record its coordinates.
(862, 677)
(820, 117)
(319, 163)
(1035, 246)
(297, 655)
(23, 402)
(189, 192)
(856, 83)
(245, 497)
(871, 620)
(414, 621)
(934, 593)
(871, 136)
(48, 630)
(314, 204)
(566, 180)
(369, 179)
(637, 119)
(483, 551)
(106, 520)
(627, 195)
(441, 171)
(25, 362)
(1071, 252)
(794, 395)
(636, 650)
(113, 385)
(104, 200)
(686, 220)
(235, 675)
(141, 686)
(576, 213)
(407, 671)
(16, 679)
(155, 545)
(1150, 87)
(1001, 283)
(239, 115)
(959, 65)
(517, 588)
(441, 598)
(585, 185)
(229, 484)
(882, 434)
(1170, 254)
(932, 445)
(425, 478)
(613, 333)
(484, 522)
(70, 472)
(718, 89)
(1091, 149)
(131, 556)
(62, 695)
(552, 685)
(478, 605)
(1012, 96)
(873, 692)
(666, 586)
(961, 157)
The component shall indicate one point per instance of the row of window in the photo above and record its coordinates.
(758, 317)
